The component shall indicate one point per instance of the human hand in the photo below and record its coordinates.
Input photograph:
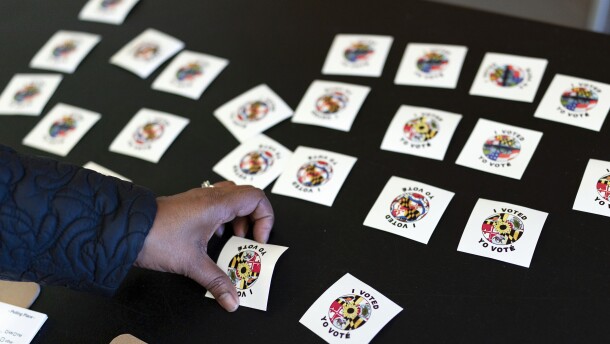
(184, 224)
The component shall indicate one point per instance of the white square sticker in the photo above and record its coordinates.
(64, 51)
(409, 208)
(575, 101)
(331, 104)
(431, 65)
(502, 231)
(249, 265)
(509, 77)
(143, 54)
(27, 94)
(148, 134)
(257, 162)
(594, 191)
(253, 112)
(360, 55)
(189, 74)
(349, 311)
(421, 131)
(61, 129)
(314, 175)
(499, 148)
(103, 170)
(107, 11)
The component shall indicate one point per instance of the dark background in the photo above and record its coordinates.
(447, 296)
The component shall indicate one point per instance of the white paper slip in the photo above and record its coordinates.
(107, 11)
(502, 231)
(575, 101)
(61, 129)
(331, 104)
(103, 170)
(409, 208)
(65, 51)
(146, 52)
(350, 311)
(189, 74)
(431, 65)
(27, 94)
(314, 175)
(360, 55)
(19, 325)
(249, 265)
(509, 77)
(149, 134)
(594, 192)
(499, 148)
(257, 162)
(253, 112)
(421, 131)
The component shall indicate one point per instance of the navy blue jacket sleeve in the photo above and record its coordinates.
(65, 225)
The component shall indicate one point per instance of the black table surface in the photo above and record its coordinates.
(447, 296)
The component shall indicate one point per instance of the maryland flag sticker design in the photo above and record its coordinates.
(349, 312)
(358, 52)
(256, 162)
(315, 173)
(253, 111)
(579, 99)
(189, 72)
(62, 126)
(108, 4)
(331, 103)
(410, 207)
(506, 75)
(502, 148)
(149, 132)
(64, 49)
(432, 63)
(421, 129)
(244, 269)
(502, 229)
(27, 93)
(146, 51)
(603, 187)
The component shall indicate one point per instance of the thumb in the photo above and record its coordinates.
(216, 282)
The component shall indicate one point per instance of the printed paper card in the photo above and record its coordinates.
(314, 175)
(594, 191)
(148, 135)
(360, 55)
(431, 65)
(253, 112)
(189, 74)
(257, 162)
(249, 265)
(61, 129)
(350, 311)
(499, 148)
(409, 208)
(65, 51)
(331, 104)
(421, 131)
(575, 101)
(19, 325)
(146, 52)
(103, 170)
(509, 77)
(27, 94)
(502, 231)
(107, 11)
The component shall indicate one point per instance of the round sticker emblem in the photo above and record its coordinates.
(349, 312)
(603, 187)
(189, 72)
(358, 52)
(106, 4)
(433, 62)
(502, 148)
(256, 162)
(27, 93)
(409, 207)
(146, 51)
(502, 229)
(64, 49)
(149, 132)
(252, 111)
(579, 99)
(62, 127)
(506, 75)
(332, 103)
(315, 173)
(244, 269)
(421, 129)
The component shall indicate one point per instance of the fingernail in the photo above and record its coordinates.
(228, 302)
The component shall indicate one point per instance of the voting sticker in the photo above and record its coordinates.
(314, 175)
(27, 94)
(502, 231)
(107, 11)
(594, 192)
(359, 55)
(350, 311)
(249, 265)
(64, 51)
(431, 65)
